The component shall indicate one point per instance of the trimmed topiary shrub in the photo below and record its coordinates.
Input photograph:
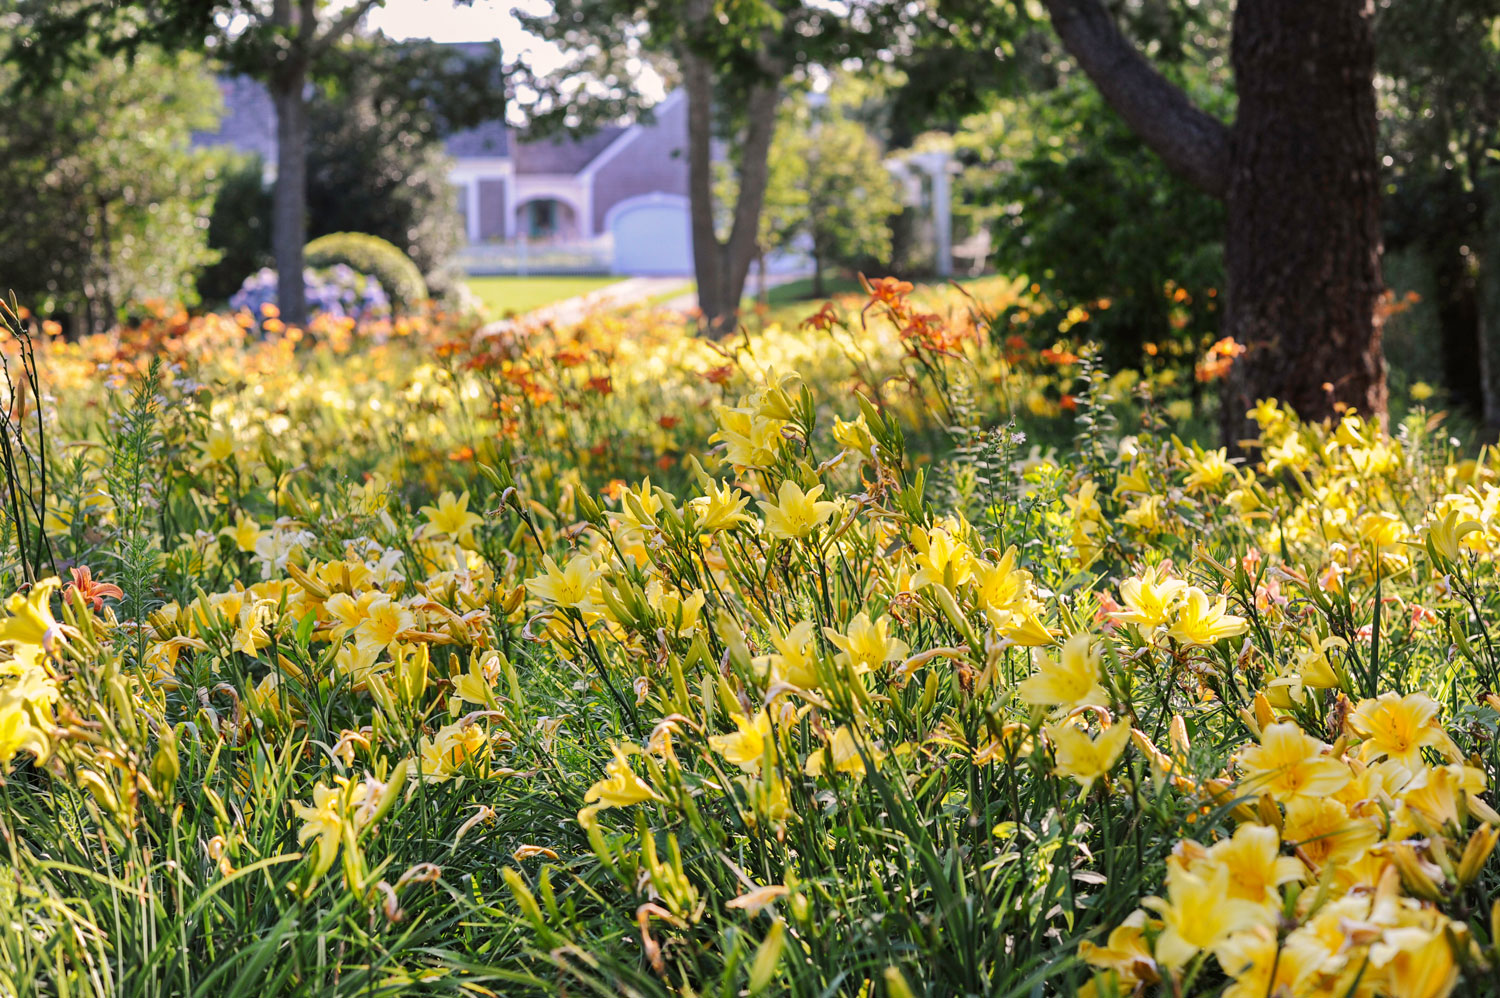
(371, 255)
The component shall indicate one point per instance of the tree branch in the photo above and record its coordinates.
(337, 29)
(1191, 142)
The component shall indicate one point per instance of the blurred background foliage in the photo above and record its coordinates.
(105, 202)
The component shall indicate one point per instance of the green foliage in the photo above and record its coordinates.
(828, 188)
(851, 196)
(102, 200)
(371, 255)
(375, 161)
(134, 443)
(1079, 204)
(239, 228)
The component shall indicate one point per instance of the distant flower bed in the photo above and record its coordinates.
(339, 291)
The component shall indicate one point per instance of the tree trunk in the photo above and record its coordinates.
(817, 277)
(755, 173)
(722, 268)
(1299, 176)
(289, 199)
(708, 264)
(1302, 250)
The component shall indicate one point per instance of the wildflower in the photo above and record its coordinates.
(1256, 867)
(250, 633)
(621, 787)
(853, 435)
(1398, 728)
(750, 440)
(889, 290)
(1146, 514)
(746, 747)
(1148, 598)
(452, 518)
(844, 752)
(1324, 832)
(678, 614)
(1267, 414)
(1416, 961)
(1001, 589)
(575, 587)
(348, 612)
(721, 507)
(244, 533)
(1126, 953)
(1291, 765)
(332, 811)
(18, 731)
(450, 748)
(30, 627)
(1083, 758)
(1208, 470)
(867, 645)
(795, 660)
(942, 557)
(796, 514)
(384, 627)
(1260, 966)
(1028, 631)
(93, 592)
(1196, 622)
(477, 686)
(1198, 913)
(1445, 534)
(1071, 680)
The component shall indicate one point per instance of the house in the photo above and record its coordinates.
(614, 201)
(616, 197)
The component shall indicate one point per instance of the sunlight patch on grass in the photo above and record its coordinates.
(514, 293)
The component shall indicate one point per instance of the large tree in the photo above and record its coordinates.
(734, 61)
(1298, 173)
(283, 43)
(102, 200)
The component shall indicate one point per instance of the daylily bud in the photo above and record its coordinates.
(1270, 813)
(1264, 715)
(1477, 853)
(895, 984)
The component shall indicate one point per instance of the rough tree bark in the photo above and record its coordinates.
(1298, 174)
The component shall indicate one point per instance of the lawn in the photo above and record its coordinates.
(504, 293)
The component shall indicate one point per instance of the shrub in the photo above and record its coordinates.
(339, 291)
(374, 256)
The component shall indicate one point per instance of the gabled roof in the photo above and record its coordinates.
(489, 139)
(249, 124)
(562, 154)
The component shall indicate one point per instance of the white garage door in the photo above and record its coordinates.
(653, 238)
